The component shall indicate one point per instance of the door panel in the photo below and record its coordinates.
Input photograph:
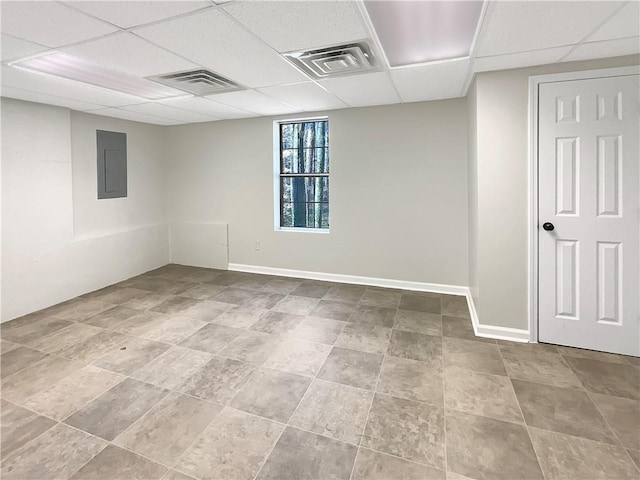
(588, 179)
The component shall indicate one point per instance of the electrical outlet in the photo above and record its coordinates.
(256, 246)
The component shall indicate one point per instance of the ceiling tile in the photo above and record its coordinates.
(160, 110)
(47, 99)
(131, 54)
(50, 23)
(131, 14)
(15, 48)
(206, 107)
(306, 96)
(533, 25)
(134, 116)
(299, 25)
(61, 87)
(363, 90)
(608, 48)
(519, 60)
(214, 40)
(256, 102)
(431, 82)
(625, 23)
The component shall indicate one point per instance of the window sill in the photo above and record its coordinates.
(302, 230)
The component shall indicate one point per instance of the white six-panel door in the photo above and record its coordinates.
(588, 178)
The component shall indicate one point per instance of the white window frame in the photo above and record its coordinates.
(276, 178)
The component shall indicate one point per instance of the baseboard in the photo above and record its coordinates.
(494, 331)
(340, 278)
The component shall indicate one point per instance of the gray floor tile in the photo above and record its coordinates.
(318, 330)
(461, 328)
(350, 367)
(333, 310)
(562, 410)
(415, 346)
(455, 306)
(234, 446)
(162, 285)
(481, 394)
(147, 301)
(623, 415)
(36, 378)
(18, 359)
(176, 304)
(114, 463)
(563, 456)
(205, 310)
(73, 392)
(56, 453)
(417, 302)
(175, 475)
(94, 347)
(592, 354)
(253, 347)
(170, 329)
(419, 322)
(271, 394)
(407, 429)
(635, 456)
(334, 410)
(65, 338)
(281, 285)
(115, 410)
(19, 426)
(412, 379)
(78, 309)
(301, 455)
(277, 323)
(472, 355)
(372, 465)
(487, 449)
(350, 294)
(382, 317)
(365, 338)
(115, 294)
(381, 298)
(6, 346)
(211, 338)
(218, 380)
(134, 353)
(173, 367)
(165, 431)
(238, 316)
(607, 378)
(298, 356)
(203, 291)
(296, 305)
(311, 289)
(113, 318)
(26, 331)
(538, 365)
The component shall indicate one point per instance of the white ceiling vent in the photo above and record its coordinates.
(335, 61)
(198, 82)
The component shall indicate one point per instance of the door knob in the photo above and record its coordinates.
(548, 226)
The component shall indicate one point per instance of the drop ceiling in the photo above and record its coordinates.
(244, 41)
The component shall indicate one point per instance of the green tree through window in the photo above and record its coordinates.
(304, 174)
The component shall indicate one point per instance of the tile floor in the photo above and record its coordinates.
(194, 373)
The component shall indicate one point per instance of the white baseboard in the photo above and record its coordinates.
(337, 277)
(488, 331)
(494, 331)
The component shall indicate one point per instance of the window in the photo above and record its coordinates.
(302, 180)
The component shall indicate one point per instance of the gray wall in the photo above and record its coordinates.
(501, 161)
(58, 241)
(397, 192)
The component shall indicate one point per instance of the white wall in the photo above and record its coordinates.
(49, 189)
(397, 192)
(502, 183)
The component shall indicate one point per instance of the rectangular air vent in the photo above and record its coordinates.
(335, 61)
(198, 82)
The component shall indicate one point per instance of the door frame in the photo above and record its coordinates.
(532, 183)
